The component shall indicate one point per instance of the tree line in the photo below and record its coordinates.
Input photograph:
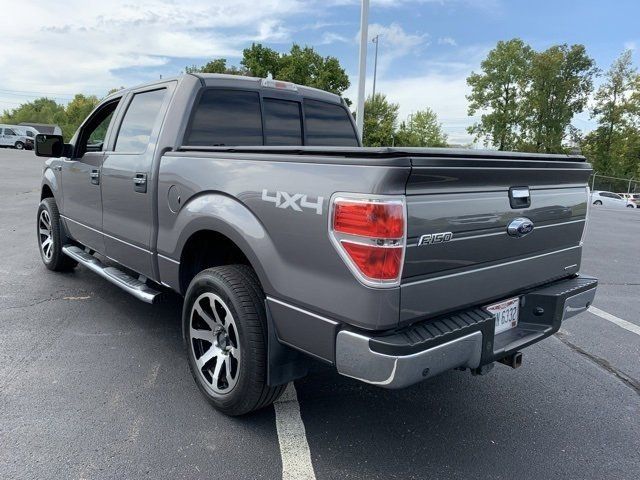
(527, 99)
(524, 100)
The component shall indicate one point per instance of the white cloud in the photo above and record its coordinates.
(332, 37)
(444, 94)
(394, 43)
(83, 46)
(631, 45)
(447, 41)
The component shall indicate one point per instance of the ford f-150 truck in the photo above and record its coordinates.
(292, 245)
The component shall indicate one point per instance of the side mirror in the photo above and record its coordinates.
(50, 146)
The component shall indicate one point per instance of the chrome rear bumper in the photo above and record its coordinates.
(461, 340)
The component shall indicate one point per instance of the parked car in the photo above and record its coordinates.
(610, 199)
(254, 200)
(11, 137)
(632, 198)
(28, 132)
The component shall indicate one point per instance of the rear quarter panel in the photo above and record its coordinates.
(289, 248)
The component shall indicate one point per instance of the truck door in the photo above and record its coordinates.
(128, 181)
(81, 178)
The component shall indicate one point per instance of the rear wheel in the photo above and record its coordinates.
(50, 236)
(630, 206)
(225, 333)
(19, 145)
(597, 202)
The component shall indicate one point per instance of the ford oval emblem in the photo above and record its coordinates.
(520, 227)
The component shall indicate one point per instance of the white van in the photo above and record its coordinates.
(11, 136)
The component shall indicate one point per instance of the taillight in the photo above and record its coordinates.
(369, 232)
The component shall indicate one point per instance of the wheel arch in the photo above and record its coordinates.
(225, 230)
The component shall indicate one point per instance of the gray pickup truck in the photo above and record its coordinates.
(293, 246)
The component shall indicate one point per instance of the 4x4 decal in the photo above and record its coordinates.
(294, 201)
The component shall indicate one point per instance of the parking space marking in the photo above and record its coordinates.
(632, 327)
(294, 449)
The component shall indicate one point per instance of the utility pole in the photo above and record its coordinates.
(362, 70)
(375, 40)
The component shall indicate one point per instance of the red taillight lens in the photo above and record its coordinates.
(369, 219)
(378, 263)
(369, 234)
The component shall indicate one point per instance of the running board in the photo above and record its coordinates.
(135, 287)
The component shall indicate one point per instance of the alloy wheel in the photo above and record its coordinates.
(45, 235)
(214, 342)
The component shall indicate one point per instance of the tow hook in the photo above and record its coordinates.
(514, 360)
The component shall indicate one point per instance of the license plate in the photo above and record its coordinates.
(506, 314)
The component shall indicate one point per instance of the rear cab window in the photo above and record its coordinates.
(226, 117)
(328, 124)
(230, 117)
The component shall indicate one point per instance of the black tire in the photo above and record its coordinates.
(19, 145)
(237, 287)
(630, 206)
(597, 202)
(52, 256)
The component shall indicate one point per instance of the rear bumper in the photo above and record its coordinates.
(462, 340)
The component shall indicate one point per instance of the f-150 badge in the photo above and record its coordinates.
(433, 238)
(294, 201)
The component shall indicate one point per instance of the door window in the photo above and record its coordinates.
(138, 122)
(282, 124)
(93, 133)
(10, 131)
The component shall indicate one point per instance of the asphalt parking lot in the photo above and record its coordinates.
(94, 384)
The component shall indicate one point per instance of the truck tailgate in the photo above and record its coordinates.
(471, 202)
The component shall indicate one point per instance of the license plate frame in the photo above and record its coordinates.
(506, 313)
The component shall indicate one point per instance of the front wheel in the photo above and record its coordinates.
(49, 231)
(225, 333)
(19, 145)
(630, 206)
(597, 202)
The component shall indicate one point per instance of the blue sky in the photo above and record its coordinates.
(427, 48)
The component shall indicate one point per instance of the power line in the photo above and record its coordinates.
(35, 93)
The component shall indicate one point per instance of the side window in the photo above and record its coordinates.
(93, 132)
(616, 196)
(328, 124)
(9, 131)
(138, 121)
(97, 137)
(226, 117)
(282, 124)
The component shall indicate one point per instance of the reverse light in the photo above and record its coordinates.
(369, 233)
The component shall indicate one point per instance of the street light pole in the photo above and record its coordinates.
(375, 66)
(362, 71)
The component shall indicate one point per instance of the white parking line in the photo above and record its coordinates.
(294, 449)
(632, 327)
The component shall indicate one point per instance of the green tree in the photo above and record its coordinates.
(42, 110)
(560, 82)
(615, 109)
(75, 112)
(497, 94)
(218, 65)
(421, 129)
(302, 65)
(305, 66)
(260, 61)
(380, 120)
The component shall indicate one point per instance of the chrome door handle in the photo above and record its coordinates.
(140, 182)
(95, 177)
